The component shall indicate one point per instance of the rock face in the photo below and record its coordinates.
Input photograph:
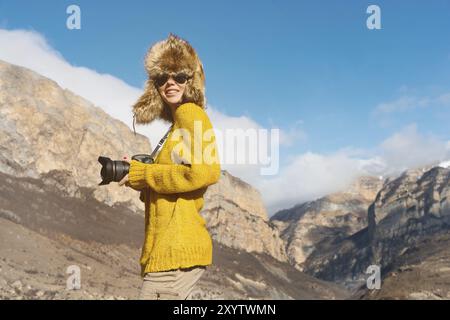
(307, 227)
(408, 214)
(44, 231)
(412, 206)
(45, 128)
(236, 217)
(52, 134)
(53, 215)
(421, 272)
(50, 140)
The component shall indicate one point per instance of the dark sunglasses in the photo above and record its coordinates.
(179, 78)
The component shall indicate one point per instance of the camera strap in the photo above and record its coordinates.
(159, 145)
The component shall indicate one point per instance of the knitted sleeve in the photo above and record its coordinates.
(197, 149)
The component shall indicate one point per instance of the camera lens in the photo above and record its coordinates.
(112, 171)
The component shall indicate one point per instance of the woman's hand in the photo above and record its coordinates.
(124, 181)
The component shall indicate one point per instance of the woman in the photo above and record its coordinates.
(177, 246)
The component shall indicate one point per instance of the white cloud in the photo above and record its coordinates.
(110, 93)
(293, 135)
(408, 103)
(403, 103)
(31, 50)
(306, 176)
(311, 175)
(408, 148)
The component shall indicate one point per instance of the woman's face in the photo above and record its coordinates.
(172, 92)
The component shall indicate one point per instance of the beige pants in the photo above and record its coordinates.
(170, 285)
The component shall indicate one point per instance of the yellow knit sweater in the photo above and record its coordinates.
(175, 232)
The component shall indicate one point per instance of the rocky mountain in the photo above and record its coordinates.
(408, 231)
(53, 214)
(236, 217)
(44, 231)
(45, 128)
(307, 227)
(400, 224)
(63, 134)
(421, 272)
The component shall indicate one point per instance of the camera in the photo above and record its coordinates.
(115, 170)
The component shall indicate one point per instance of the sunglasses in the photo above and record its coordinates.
(179, 78)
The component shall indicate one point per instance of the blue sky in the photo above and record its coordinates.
(277, 61)
(310, 66)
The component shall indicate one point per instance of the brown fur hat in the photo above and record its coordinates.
(170, 55)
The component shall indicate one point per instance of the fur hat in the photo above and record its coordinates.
(172, 55)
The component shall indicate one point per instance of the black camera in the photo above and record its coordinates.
(114, 171)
